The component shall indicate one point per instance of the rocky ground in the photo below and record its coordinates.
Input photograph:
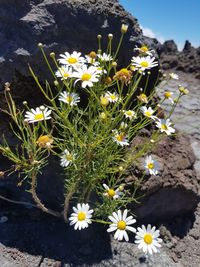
(31, 239)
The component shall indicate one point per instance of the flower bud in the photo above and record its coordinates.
(114, 64)
(99, 36)
(92, 54)
(40, 45)
(110, 36)
(121, 187)
(104, 101)
(24, 103)
(56, 83)
(124, 28)
(121, 168)
(103, 116)
(42, 108)
(52, 55)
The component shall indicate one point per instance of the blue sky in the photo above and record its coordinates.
(168, 19)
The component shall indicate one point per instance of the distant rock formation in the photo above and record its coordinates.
(187, 60)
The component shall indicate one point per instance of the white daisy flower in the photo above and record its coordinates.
(130, 114)
(64, 72)
(87, 75)
(151, 165)
(111, 193)
(120, 138)
(66, 158)
(144, 63)
(144, 50)
(92, 61)
(38, 114)
(165, 126)
(70, 98)
(174, 76)
(81, 217)
(73, 60)
(148, 239)
(168, 95)
(121, 223)
(112, 97)
(123, 125)
(148, 112)
(105, 57)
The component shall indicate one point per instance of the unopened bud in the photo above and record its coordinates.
(40, 45)
(52, 55)
(121, 187)
(92, 54)
(24, 103)
(104, 101)
(114, 64)
(110, 36)
(124, 28)
(99, 36)
(108, 80)
(42, 108)
(103, 116)
(56, 83)
(121, 168)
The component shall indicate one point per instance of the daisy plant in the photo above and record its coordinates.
(92, 114)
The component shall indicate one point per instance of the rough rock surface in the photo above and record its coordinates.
(62, 26)
(187, 60)
(175, 190)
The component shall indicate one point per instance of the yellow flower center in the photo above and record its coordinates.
(144, 48)
(143, 97)
(150, 165)
(69, 157)
(124, 71)
(39, 116)
(148, 239)
(86, 77)
(72, 60)
(113, 97)
(144, 64)
(69, 99)
(120, 137)
(167, 94)
(121, 225)
(148, 113)
(129, 113)
(164, 126)
(104, 101)
(81, 216)
(65, 75)
(111, 192)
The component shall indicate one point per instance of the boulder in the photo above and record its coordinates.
(175, 190)
(61, 25)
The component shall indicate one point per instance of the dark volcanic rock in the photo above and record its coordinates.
(175, 190)
(188, 60)
(61, 25)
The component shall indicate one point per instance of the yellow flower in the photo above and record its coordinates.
(44, 141)
(104, 101)
(123, 75)
(143, 98)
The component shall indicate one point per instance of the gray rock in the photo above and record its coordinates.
(61, 26)
(175, 190)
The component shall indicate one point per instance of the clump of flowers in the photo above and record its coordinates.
(91, 137)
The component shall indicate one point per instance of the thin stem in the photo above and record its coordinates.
(38, 201)
(18, 202)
